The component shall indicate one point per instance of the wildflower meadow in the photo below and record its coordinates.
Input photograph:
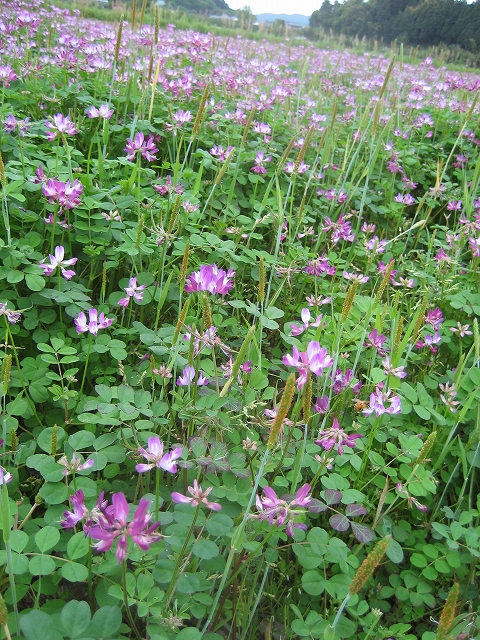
(239, 342)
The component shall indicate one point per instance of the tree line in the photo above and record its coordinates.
(414, 22)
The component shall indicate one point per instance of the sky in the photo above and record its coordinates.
(303, 7)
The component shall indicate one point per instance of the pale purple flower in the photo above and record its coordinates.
(156, 458)
(375, 244)
(7, 75)
(116, 527)
(462, 329)
(336, 437)
(319, 266)
(388, 370)
(199, 497)
(94, 324)
(5, 476)
(355, 277)
(448, 395)
(279, 511)
(377, 403)
(210, 278)
(60, 124)
(103, 111)
(168, 188)
(12, 316)
(75, 464)
(260, 160)
(10, 124)
(114, 216)
(430, 340)
(188, 378)
(302, 167)
(376, 340)
(139, 145)
(315, 359)
(133, 291)
(306, 316)
(410, 499)
(434, 317)
(57, 260)
(220, 153)
(321, 405)
(65, 194)
(475, 246)
(340, 230)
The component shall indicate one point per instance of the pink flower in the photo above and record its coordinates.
(94, 324)
(279, 511)
(75, 464)
(335, 436)
(139, 145)
(115, 526)
(199, 497)
(377, 404)
(314, 359)
(210, 278)
(57, 260)
(306, 317)
(388, 370)
(133, 291)
(188, 378)
(60, 124)
(156, 458)
(103, 111)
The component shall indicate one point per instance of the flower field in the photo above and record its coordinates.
(240, 353)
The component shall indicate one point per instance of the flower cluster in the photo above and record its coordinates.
(64, 194)
(198, 497)
(279, 511)
(315, 359)
(60, 125)
(156, 458)
(335, 436)
(141, 146)
(133, 291)
(210, 278)
(57, 260)
(94, 324)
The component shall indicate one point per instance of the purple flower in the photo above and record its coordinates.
(139, 145)
(260, 161)
(5, 476)
(7, 75)
(199, 496)
(11, 123)
(188, 376)
(60, 124)
(210, 278)
(375, 244)
(103, 111)
(475, 246)
(12, 316)
(133, 291)
(335, 436)
(434, 317)
(154, 454)
(319, 266)
(115, 526)
(67, 196)
(376, 340)
(79, 511)
(57, 260)
(94, 324)
(306, 317)
(355, 277)
(341, 230)
(279, 511)
(75, 464)
(314, 359)
(388, 370)
(321, 405)
(377, 403)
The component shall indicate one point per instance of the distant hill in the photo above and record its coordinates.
(200, 6)
(295, 18)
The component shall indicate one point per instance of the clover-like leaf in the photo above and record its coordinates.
(355, 510)
(361, 532)
(332, 496)
(339, 522)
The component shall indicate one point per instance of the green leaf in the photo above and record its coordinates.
(106, 622)
(75, 618)
(421, 412)
(54, 492)
(313, 583)
(219, 524)
(81, 440)
(47, 538)
(34, 282)
(190, 633)
(41, 565)
(77, 546)
(74, 572)
(18, 540)
(418, 560)
(44, 440)
(394, 551)
(38, 625)
(205, 549)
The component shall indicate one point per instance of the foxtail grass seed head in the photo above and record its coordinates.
(206, 312)
(181, 320)
(54, 440)
(307, 399)
(6, 370)
(157, 24)
(283, 409)
(261, 281)
(376, 116)
(387, 78)
(134, 14)
(201, 110)
(385, 279)
(184, 267)
(142, 12)
(448, 613)
(286, 153)
(3, 612)
(174, 214)
(224, 168)
(419, 322)
(398, 334)
(303, 150)
(104, 281)
(247, 127)
(118, 43)
(368, 566)
(152, 363)
(13, 441)
(348, 302)
(427, 447)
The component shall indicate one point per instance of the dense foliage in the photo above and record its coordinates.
(417, 22)
(240, 353)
